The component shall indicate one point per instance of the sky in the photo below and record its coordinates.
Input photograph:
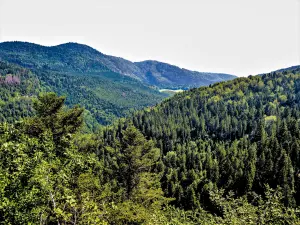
(240, 37)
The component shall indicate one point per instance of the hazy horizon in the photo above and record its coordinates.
(234, 37)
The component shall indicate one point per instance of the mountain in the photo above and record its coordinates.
(164, 75)
(238, 135)
(222, 154)
(75, 57)
(69, 57)
(105, 95)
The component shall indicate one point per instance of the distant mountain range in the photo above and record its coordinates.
(107, 87)
(73, 57)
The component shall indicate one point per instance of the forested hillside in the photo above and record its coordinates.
(52, 175)
(164, 75)
(238, 135)
(106, 96)
(73, 57)
(223, 154)
(17, 87)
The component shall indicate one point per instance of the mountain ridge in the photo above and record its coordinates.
(83, 58)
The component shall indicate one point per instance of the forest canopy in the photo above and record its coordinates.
(224, 154)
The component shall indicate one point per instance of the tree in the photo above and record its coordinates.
(52, 116)
(137, 156)
(143, 196)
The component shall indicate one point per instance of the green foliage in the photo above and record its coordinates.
(44, 176)
(168, 76)
(237, 135)
(48, 176)
(18, 86)
(131, 163)
(105, 95)
(224, 154)
(73, 57)
(135, 159)
(267, 210)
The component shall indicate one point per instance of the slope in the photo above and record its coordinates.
(164, 75)
(82, 58)
(17, 88)
(238, 135)
(105, 95)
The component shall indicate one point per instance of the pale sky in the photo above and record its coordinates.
(240, 37)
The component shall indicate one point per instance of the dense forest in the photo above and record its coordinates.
(105, 96)
(168, 76)
(224, 154)
(17, 87)
(238, 135)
